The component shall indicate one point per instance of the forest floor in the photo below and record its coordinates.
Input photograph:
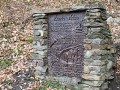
(16, 37)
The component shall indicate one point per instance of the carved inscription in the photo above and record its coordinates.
(65, 44)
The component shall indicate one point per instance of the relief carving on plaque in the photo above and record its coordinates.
(65, 44)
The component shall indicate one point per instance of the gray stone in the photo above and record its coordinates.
(94, 77)
(43, 41)
(104, 86)
(75, 80)
(95, 62)
(40, 47)
(77, 8)
(86, 87)
(93, 58)
(86, 69)
(95, 6)
(40, 27)
(94, 10)
(96, 41)
(89, 53)
(110, 74)
(41, 69)
(42, 53)
(68, 80)
(42, 77)
(37, 56)
(91, 18)
(87, 41)
(110, 20)
(96, 35)
(117, 20)
(95, 29)
(40, 22)
(64, 80)
(43, 34)
(37, 33)
(40, 15)
(38, 63)
(94, 24)
(94, 70)
(109, 65)
(88, 46)
(113, 50)
(34, 42)
(39, 74)
(98, 14)
(93, 83)
(91, 88)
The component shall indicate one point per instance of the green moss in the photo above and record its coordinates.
(30, 39)
(8, 82)
(51, 84)
(19, 50)
(4, 63)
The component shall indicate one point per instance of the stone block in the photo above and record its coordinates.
(91, 88)
(96, 41)
(97, 29)
(43, 34)
(37, 56)
(94, 24)
(34, 42)
(37, 33)
(112, 50)
(95, 52)
(87, 87)
(96, 46)
(40, 27)
(93, 83)
(109, 65)
(41, 69)
(94, 70)
(104, 86)
(88, 46)
(40, 62)
(40, 22)
(87, 41)
(93, 77)
(86, 69)
(92, 58)
(78, 8)
(40, 47)
(64, 79)
(95, 6)
(43, 41)
(96, 35)
(42, 53)
(75, 80)
(39, 15)
(94, 10)
(98, 14)
(96, 62)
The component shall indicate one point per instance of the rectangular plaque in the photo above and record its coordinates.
(65, 44)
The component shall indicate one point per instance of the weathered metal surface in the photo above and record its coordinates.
(65, 44)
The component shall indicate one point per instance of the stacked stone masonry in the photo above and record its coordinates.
(98, 53)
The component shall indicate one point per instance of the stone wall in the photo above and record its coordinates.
(98, 53)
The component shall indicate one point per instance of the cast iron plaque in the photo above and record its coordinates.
(65, 44)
